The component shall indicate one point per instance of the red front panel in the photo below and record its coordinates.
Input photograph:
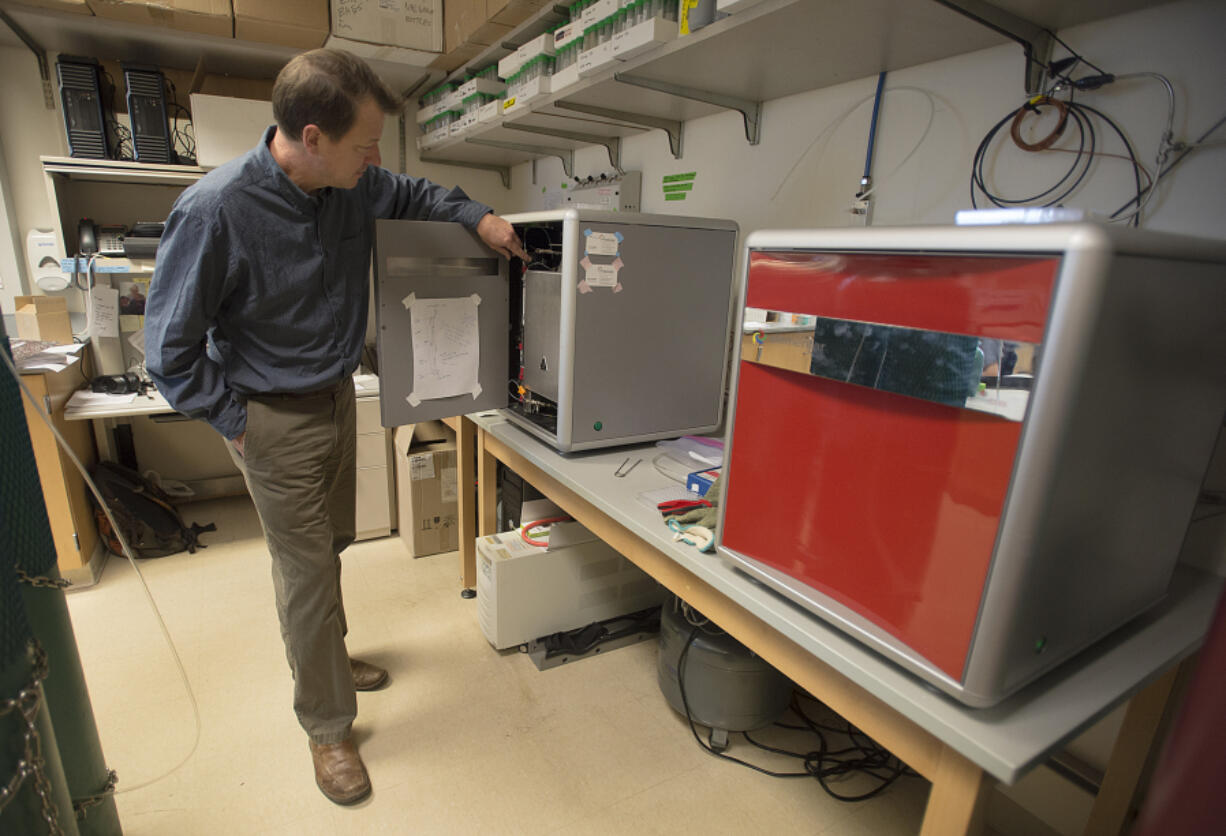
(887, 504)
(1001, 297)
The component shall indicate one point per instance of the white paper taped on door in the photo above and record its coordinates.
(446, 347)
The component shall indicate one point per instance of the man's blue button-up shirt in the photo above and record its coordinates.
(262, 288)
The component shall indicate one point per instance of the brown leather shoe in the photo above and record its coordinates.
(367, 677)
(339, 772)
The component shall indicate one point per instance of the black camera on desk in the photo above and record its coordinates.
(128, 383)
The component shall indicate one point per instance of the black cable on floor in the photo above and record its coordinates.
(823, 764)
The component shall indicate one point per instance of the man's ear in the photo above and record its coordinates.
(311, 136)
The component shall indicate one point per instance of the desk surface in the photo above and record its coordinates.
(84, 404)
(1005, 741)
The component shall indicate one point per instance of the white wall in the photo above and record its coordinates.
(30, 129)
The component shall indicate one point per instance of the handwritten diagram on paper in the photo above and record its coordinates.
(446, 347)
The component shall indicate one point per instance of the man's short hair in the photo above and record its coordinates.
(324, 87)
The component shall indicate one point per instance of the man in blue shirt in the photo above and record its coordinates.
(255, 322)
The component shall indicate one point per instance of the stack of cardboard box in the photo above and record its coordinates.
(474, 25)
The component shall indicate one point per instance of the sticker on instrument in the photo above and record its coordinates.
(600, 275)
(601, 243)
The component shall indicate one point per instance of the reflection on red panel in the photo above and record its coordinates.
(1001, 297)
(887, 504)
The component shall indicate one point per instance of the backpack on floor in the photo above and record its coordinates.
(146, 518)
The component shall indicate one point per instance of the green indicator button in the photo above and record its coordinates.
(598, 426)
(1040, 644)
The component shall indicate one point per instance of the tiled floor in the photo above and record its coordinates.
(464, 740)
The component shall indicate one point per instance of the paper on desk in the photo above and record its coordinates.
(42, 356)
(137, 340)
(81, 399)
(446, 347)
(104, 311)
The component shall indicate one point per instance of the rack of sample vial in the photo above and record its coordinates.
(529, 82)
(440, 99)
(437, 130)
(643, 25)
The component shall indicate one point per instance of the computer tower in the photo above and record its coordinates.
(151, 141)
(80, 81)
(979, 526)
(616, 332)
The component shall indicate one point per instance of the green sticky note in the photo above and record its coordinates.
(675, 196)
(678, 187)
(677, 178)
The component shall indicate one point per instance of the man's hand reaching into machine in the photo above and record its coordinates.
(500, 236)
(238, 440)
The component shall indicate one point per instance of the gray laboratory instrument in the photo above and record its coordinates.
(615, 332)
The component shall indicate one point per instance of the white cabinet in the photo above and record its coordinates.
(376, 481)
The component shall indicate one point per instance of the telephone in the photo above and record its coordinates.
(103, 240)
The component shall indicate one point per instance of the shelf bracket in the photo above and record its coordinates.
(40, 55)
(566, 155)
(672, 127)
(612, 144)
(1036, 42)
(751, 112)
(504, 171)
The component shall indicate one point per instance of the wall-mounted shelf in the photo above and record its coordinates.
(120, 171)
(784, 47)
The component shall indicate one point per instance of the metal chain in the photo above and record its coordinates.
(106, 791)
(32, 764)
(43, 581)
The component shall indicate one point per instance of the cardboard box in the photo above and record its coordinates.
(426, 488)
(302, 24)
(43, 318)
(74, 6)
(208, 17)
(468, 22)
(388, 30)
(513, 12)
(456, 58)
(227, 127)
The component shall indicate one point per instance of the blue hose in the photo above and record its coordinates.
(872, 128)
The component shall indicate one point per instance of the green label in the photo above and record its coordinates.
(678, 187)
(675, 196)
(677, 178)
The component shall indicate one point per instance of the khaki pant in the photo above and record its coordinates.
(298, 460)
